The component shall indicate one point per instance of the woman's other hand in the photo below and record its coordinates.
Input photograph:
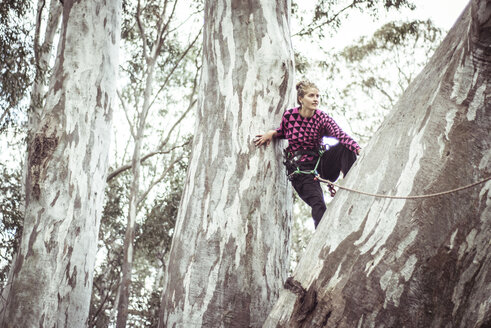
(266, 138)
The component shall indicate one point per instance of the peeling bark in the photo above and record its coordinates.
(412, 263)
(51, 279)
(230, 250)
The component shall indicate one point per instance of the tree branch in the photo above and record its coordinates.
(169, 20)
(5, 112)
(125, 167)
(159, 40)
(190, 106)
(185, 21)
(141, 29)
(154, 183)
(175, 67)
(125, 109)
(385, 93)
(308, 30)
(192, 101)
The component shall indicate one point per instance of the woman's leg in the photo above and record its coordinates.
(336, 160)
(311, 193)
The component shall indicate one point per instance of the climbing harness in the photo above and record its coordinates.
(331, 185)
(293, 163)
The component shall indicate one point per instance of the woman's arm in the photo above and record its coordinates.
(266, 138)
(332, 129)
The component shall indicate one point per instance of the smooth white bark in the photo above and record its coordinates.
(411, 263)
(230, 250)
(52, 276)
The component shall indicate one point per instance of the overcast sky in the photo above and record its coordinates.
(444, 13)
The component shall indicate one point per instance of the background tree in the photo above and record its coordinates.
(160, 66)
(15, 54)
(153, 236)
(52, 274)
(11, 217)
(229, 252)
(107, 273)
(414, 263)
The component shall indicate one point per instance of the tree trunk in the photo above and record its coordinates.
(134, 195)
(43, 51)
(230, 248)
(52, 276)
(377, 262)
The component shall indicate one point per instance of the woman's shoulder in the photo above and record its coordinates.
(291, 111)
(322, 114)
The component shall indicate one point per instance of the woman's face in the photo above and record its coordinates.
(311, 99)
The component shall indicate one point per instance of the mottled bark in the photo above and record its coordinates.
(230, 250)
(411, 263)
(51, 279)
(42, 54)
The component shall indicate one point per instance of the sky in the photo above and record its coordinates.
(443, 13)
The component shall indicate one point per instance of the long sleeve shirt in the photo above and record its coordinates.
(306, 133)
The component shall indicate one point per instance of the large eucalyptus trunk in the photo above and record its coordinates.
(51, 278)
(230, 251)
(377, 262)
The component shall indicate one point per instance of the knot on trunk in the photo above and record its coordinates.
(294, 286)
(41, 150)
(306, 300)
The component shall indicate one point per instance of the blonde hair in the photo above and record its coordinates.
(302, 88)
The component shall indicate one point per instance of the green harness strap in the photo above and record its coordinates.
(314, 171)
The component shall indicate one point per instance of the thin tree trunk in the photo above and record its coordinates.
(133, 204)
(230, 249)
(67, 161)
(151, 56)
(376, 262)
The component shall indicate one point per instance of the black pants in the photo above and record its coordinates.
(336, 160)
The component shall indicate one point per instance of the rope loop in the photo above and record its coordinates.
(331, 186)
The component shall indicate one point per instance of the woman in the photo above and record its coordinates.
(304, 127)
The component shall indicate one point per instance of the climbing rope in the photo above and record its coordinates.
(331, 186)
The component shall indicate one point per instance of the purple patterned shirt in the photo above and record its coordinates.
(305, 133)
